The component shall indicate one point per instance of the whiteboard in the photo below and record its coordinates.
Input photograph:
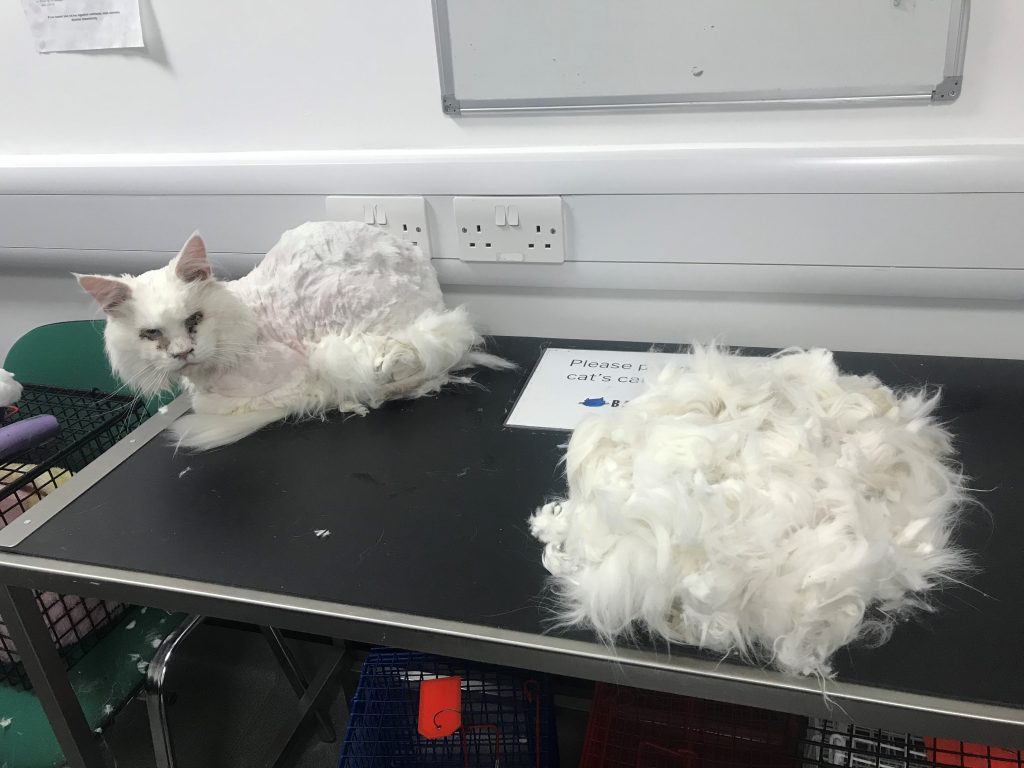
(512, 55)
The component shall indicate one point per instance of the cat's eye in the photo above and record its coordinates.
(151, 333)
(193, 320)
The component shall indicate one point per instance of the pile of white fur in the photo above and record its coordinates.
(770, 507)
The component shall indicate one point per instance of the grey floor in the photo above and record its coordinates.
(231, 698)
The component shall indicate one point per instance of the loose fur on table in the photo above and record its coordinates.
(337, 316)
(771, 507)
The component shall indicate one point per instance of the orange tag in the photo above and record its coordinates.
(440, 707)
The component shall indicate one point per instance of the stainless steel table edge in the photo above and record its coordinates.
(45, 510)
(656, 670)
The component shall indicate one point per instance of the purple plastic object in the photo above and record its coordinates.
(25, 434)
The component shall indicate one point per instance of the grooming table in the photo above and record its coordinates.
(427, 502)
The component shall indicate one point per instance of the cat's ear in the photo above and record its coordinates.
(111, 294)
(191, 264)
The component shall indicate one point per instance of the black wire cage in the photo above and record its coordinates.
(90, 423)
(827, 743)
(507, 716)
(631, 728)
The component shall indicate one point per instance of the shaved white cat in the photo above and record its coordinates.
(337, 316)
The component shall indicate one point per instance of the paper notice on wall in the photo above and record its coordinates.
(84, 25)
(568, 385)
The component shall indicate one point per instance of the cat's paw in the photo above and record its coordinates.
(397, 362)
(548, 524)
(353, 407)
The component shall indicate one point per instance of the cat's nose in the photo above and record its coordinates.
(183, 355)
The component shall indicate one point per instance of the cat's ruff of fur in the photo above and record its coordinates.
(771, 507)
(10, 390)
(337, 316)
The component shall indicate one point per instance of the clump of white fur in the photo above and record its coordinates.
(771, 507)
(10, 390)
(337, 316)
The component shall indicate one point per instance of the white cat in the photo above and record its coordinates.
(338, 315)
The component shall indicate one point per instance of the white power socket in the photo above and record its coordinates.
(509, 229)
(405, 216)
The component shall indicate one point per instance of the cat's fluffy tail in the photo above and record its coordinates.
(202, 431)
(443, 343)
(484, 359)
(447, 341)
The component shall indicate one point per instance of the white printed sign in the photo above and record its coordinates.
(570, 384)
(83, 25)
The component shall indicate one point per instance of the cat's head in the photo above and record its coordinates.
(170, 322)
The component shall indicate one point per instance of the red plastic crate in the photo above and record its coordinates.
(630, 728)
(966, 755)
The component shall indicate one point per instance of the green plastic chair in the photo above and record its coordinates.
(105, 679)
(70, 355)
(66, 355)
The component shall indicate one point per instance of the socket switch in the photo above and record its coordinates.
(510, 229)
(405, 216)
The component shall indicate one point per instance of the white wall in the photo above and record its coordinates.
(341, 97)
(353, 74)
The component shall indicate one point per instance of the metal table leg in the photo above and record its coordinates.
(312, 699)
(49, 678)
(156, 703)
(295, 677)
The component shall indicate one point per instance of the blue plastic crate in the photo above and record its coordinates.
(508, 716)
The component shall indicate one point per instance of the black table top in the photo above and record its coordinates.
(427, 503)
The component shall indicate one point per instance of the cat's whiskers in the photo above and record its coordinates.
(138, 386)
(132, 382)
(111, 395)
(148, 386)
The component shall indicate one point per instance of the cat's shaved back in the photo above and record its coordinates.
(350, 278)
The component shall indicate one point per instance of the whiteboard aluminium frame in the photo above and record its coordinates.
(947, 90)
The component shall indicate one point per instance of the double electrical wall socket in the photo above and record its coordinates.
(405, 216)
(510, 229)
